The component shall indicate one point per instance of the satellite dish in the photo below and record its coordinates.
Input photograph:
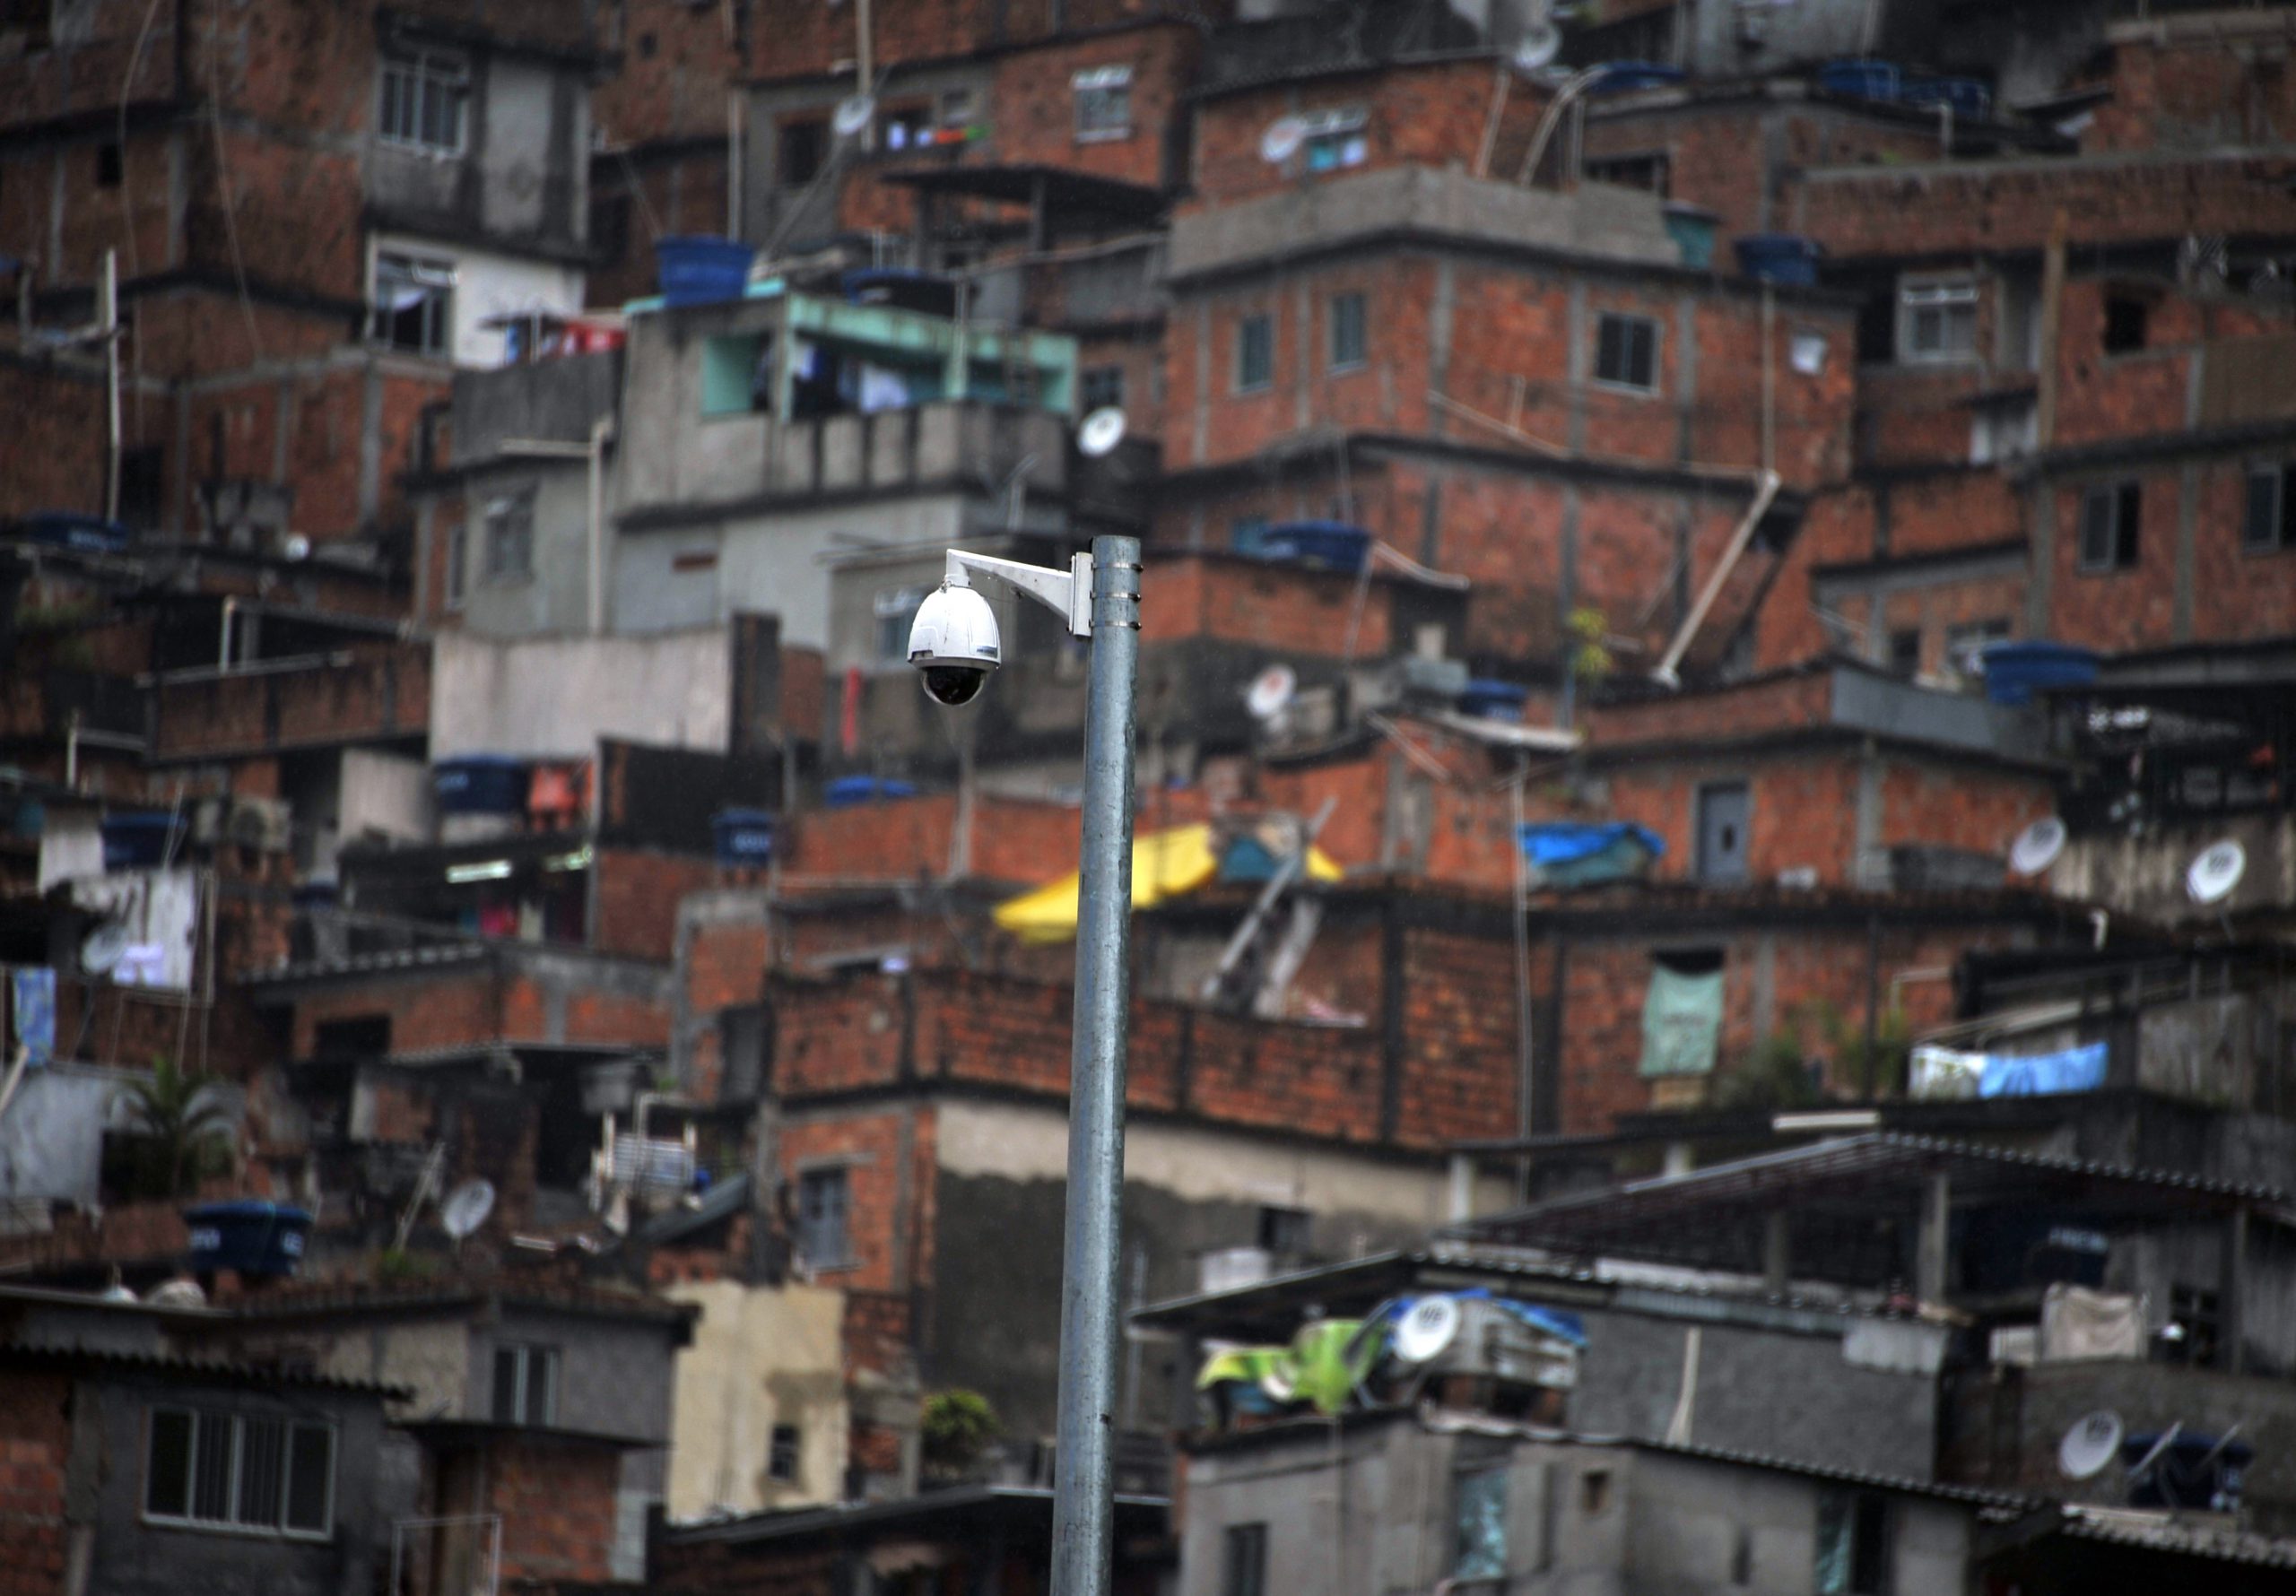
(298, 547)
(2216, 871)
(854, 114)
(104, 947)
(2091, 1441)
(1431, 1324)
(1283, 136)
(178, 1293)
(1541, 43)
(1269, 691)
(467, 1206)
(1102, 431)
(2037, 846)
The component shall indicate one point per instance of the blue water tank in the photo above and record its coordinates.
(847, 791)
(696, 270)
(480, 785)
(1865, 79)
(1624, 77)
(1787, 259)
(84, 534)
(1968, 96)
(2014, 672)
(252, 1237)
(1494, 699)
(744, 837)
(1335, 545)
(139, 839)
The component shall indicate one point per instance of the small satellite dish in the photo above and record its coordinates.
(1541, 43)
(2037, 846)
(1271, 691)
(1431, 1324)
(117, 1292)
(178, 1293)
(854, 114)
(2216, 871)
(467, 1206)
(1283, 136)
(2091, 1441)
(1102, 431)
(298, 547)
(104, 947)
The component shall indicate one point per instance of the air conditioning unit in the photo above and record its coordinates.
(1475, 1336)
(1231, 1269)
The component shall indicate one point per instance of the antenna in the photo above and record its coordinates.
(104, 947)
(2215, 870)
(1101, 431)
(1283, 136)
(2090, 1443)
(1540, 44)
(1270, 693)
(467, 1206)
(853, 115)
(2037, 846)
(1431, 1324)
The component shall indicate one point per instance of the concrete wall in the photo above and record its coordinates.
(522, 179)
(553, 593)
(385, 794)
(488, 283)
(761, 1355)
(52, 1138)
(555, 697)
(2145, 875)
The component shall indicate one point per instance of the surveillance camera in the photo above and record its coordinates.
(954, 644)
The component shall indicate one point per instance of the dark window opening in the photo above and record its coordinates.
(646, 46)
(2271, 522)
(781, 1455)
(2196, 1325)
(609, 228)
(526, 1386)
(1853, 1551)
(108, 165)
(1595, 1491)
(361, 1037)
(1349, 341)
(1723, 810)
(1626, 351)
(804, 145)
(1255, 352)
(1285, 1231)
(824, 1205)
(1905, 653)
(1650, 172)
(1100, 387)
(2125, 316)
(1243, 1570)
(2109, 526)
(142, 492)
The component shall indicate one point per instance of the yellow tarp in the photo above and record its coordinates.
(1166, 865)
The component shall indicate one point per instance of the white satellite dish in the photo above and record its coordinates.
(1101, 431)
(2092, 1441)
(1284, 135)
(854, 113)
(298, 547)
(1540, 44)
(104, 947)
(1431, 1324)
(1271, 691)
(2216, 871)
(467, 1206)
(2037, 846)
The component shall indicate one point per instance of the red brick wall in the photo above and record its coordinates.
(676, 64)
(806, 42)
(1032, 108)
(383, 690)
(1013, 840)
(883, 1237)
(35, 1447)
(2201, 93)
(638, 894)
(54, 454)
(470, 1004)
(1282, 607)
(557, 1503)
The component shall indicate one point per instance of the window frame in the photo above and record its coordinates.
(1701, 868)
(1335, 359)
(892, 614)
(1628, 322)
(1262, 321)
(1101, 377)
(2279, 519)
(1098, 97)
(291, 1428)
(822, 139)
(777, 1453)
(1944, 293)
(501, 511)
(1334, 141)
(1243, 1559)
(2124, 530)
(522, 1356)
(423, 73)
(819, 1177)
(437, 279)
(457, 573)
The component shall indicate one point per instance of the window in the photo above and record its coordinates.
(1937, 319)
(509, 537)
(1100, 387)
(823, 1202)
(609, 228)
(1853, 1552)
(1648, 172)
(1479, 1519)
(1103, 103)
(804, 146)
(736, 374)
(423, 102)
(1905, 652)
(458, 564)
(1332, 139)
(2125, 315)
(958, 107)
(1347, 332)
(1247, 534)
(526, 1384)
(1722, 811)
(1255, 352)
(2108, 518)
(904, 128)
(2004, 429)
(895, 609)
(2194, 1312)
(1626, 351)
(414, 304)
(359, 1038)
(782, 1453)
(2271, 523)
(107, 165)
(1243, 1561)
(240, 1471)
(1285, 1231)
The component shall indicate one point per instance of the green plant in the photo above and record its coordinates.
(956, 1428)
(394, 1266)
(183, 1124)
(1590, 656)
(1773, 1075)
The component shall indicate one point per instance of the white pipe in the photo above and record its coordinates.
(224, 637)
(600, 431)
(110, 315)
(1713, 589)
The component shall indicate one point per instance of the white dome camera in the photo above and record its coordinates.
(953, 643)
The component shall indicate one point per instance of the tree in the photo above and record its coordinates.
(958, 1426)
(182, 1122)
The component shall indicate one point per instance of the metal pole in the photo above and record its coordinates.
(1084, 1476)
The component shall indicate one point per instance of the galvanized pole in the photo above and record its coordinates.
(1083, 1474)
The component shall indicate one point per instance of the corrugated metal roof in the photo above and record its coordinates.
(213, 1369)
(2159, 1532)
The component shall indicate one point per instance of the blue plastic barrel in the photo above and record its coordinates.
(1624, 77)
(697, 270)
(252, 1237)
(1866, 79)
(139, 839)
(1787, 259)
(847, 792)
(1967, 96)
(1492, 700)
(480, 785)
(84, 534)
(1335, 545)
(2014, 672)
(744, 837)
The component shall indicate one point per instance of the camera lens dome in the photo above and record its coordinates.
(954, 684)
